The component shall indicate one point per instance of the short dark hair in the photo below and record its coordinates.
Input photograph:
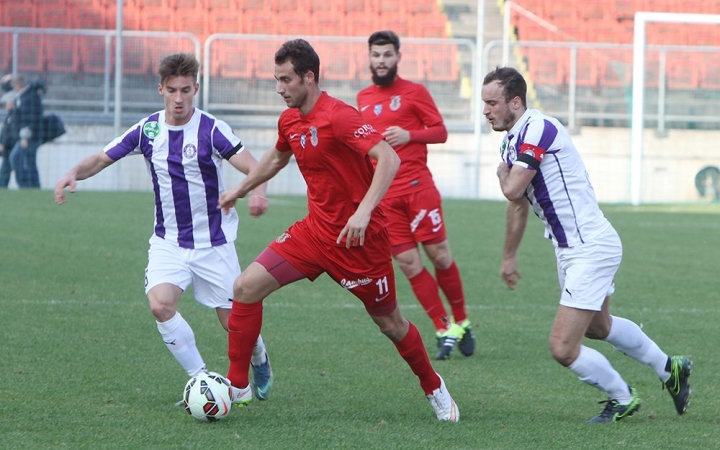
(383, 38)
(302, 56)
(179, 65)
(511, 80)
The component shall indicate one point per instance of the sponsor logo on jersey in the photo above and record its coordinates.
(189, 151)
(355, 283)
(283, 237)
(313, 136)
(377, 109)
(364, 131)
(151, 129)
(395, 103)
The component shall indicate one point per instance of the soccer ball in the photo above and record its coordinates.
(207, 397)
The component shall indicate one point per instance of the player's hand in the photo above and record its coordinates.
(24, 143)
(354, 230)
(227, 200)
(257, 205)
(396, 136)
(503, 170)
(509, 272)
(66, 181)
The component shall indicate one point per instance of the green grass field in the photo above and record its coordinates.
(83, 365)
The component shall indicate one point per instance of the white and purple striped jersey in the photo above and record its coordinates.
(185, 163)
(560, 192)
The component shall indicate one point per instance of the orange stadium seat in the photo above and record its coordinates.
(294, 25)
(361, 24)
(5, 52)
(329, 23)
(710, 73)
(30, 54)
(420, 7)
(61, 51)
(429, 25)
(442, 64)
(232, 58)
(193, 21)
(683, 70)
(92, 54)
(548, 66)
(398, 23)
(89, 18)
(246, 5)
(291, 7)
(20, 15)
(258, 22)
(337, 60)
(412, 64)
(223, 21)
(131, 17)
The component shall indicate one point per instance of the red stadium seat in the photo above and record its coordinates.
(258, 22)
(89, 18)
(710, 73)
(412, 63)
(337, 60)
(329, 23)
(361, 24)
(351, 7)
(232, 58)
(247, 5)
(429, 26)
(397, 23)
(683, 70)
(30, 54)
(18, 14)
(193, 21)
(548, 66)
(224, 21)
(61, 52)
(93, 53)
(420, 7)
(442, 64)
(294, 25)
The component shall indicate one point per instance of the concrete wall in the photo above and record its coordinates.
(669, 168)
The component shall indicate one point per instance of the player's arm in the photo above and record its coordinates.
(434, 130)
(514, 180)
(86, 168)
(388, 163)
(245, 162)
(268, 166)
(515, 222)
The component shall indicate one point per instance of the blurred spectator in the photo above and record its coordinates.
(26, 124)
(6, 136)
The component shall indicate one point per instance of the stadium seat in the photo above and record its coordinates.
(412, 64)
(92, 54)
(18, 14)
(429, 26)
(361, 24)
(683, 70)
(131, 17)
(442, 63)
(193, 21)
(88, 18)
(349, 7)
(232, 58)
(5, 52)
(420, 7)
(398, 23)
(30, 54)
(548, 66)
(258, 22)
(337, 60)
(590, 68)
(294, 25)
(710, 73)
(156, 19)
(329, 23)
(61, 52)
(247, 5)
(290, 7)
(224, 21)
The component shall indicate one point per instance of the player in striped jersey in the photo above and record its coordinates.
(541, 168)
(193, 240)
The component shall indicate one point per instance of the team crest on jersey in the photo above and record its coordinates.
(395, 103)
(303, 139)
(282, 238)
(151, 130)
(377, 109)
(313, 136)
(189, 151)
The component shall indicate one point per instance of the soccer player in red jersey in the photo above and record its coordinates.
(406, 115)
(343, 234)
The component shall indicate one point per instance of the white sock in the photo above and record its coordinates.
(593, 368)
(180, 340)
(627, 337)
(259, 356)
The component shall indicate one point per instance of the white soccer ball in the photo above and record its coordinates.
(207, 397)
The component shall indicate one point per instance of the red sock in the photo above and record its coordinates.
(451, 285)
(426, 291)
(412, 349)
(244, 326)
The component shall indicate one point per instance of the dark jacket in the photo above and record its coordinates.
(28, 112)
(6, 136)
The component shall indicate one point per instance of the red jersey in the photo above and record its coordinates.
(409, 106)
(330, 144)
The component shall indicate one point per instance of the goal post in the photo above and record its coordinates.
(638, 87)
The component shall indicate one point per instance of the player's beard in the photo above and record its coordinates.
(384, 80)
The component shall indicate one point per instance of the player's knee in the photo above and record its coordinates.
(563, 354)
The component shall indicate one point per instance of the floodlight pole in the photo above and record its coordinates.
(118, 66)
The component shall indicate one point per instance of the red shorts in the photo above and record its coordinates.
(415, 217)
(367, 271)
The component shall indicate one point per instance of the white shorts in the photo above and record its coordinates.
(586, 271)
(212, 270)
